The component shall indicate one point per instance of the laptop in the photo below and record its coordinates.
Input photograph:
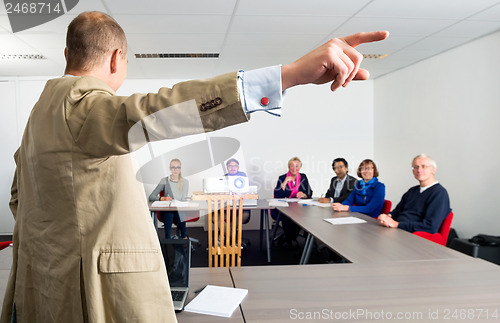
(177, 256)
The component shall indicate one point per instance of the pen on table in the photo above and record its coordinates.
(199, 290)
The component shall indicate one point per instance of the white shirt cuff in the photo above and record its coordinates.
(260, 90)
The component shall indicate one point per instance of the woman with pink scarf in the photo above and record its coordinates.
(291, 185)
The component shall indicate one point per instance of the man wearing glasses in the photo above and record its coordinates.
(423, 207)
(341, 185)
(233, 168)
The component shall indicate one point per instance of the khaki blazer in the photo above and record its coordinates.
(85, 249)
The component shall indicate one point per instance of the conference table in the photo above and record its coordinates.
(447, 290)
(362, 242)
(200, 206)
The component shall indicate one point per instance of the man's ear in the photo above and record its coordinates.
(66, 54)
(115, 57)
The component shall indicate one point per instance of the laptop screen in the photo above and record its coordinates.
(177, 256)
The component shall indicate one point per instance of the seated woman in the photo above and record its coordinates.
(291, 185)
(368, 195)
(174, 187)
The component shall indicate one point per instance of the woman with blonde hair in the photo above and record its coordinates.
(293, 184)
(174, 187)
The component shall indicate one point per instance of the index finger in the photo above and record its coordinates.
(365, 37)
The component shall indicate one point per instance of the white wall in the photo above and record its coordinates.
(317, 125)
(448, 107)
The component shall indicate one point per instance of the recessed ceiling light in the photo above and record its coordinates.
(178, 55)
(21, 56)
(374, 56)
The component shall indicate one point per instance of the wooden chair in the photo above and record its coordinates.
(224, 230)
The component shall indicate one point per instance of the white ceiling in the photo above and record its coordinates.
(256, 33)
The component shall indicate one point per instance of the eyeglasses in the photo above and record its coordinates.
(338, 167)
(365, 168)
(416, 167)
(175, 167)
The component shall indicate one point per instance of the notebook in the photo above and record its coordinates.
(177, 256)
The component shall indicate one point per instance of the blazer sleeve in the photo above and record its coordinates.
(304, 186)
(13, 203)
(155, 194)
(280, 193)
(330, 193)
(104, 124)
(375, 203)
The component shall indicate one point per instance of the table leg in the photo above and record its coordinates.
(306, 254)
(266, 218)
(155, 221)
(261, 230)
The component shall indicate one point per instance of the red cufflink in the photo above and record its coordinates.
(264, 101)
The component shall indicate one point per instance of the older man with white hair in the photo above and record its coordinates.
(422, 207)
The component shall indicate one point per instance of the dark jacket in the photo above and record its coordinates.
(346, 189)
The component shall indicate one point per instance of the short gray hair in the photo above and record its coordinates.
(432, 162)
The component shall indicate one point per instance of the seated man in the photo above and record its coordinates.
(341, 185)
(233, 168)
(424, 207)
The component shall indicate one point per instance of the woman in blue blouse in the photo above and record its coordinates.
(368, 195)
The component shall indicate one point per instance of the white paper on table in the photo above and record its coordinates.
(277, 203)
(217, 300)
(180, 204)
(345, 220)
(288, 199)
(161, 204)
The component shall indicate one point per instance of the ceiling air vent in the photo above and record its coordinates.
(178, 55)
(374, 56)
(21, 56)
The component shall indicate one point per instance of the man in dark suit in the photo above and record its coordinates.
(341, 185)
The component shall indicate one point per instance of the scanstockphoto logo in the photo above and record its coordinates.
(28, 14)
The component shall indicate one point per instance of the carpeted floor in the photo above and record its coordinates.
(251, 255)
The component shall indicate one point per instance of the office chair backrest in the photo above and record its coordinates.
(441, 236)
(4, 244)
(386, 208)
(224, 230)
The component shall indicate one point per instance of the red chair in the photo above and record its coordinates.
(386, 208)
(4, 244)
(441, 236)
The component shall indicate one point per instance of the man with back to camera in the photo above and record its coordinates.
(341, 185)
(85, 249)
(423, 207)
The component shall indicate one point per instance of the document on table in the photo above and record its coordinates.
(217, 300)
(161, 204)
(345, 220)
(176, 203)
(277, 203)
